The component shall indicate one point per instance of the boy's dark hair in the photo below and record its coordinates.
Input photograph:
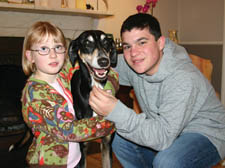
(142, 21)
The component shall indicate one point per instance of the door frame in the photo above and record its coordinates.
(223, 64)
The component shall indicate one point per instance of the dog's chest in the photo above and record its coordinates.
(95, 83)
(98, 85)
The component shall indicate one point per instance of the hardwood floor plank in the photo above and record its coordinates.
(94, 161)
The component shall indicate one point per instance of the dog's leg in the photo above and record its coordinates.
(106, 150)
(83, 149)
(27, 137)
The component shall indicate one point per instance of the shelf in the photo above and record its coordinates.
(30, 8)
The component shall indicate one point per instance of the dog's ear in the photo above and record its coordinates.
(113, 53)
(73, 51)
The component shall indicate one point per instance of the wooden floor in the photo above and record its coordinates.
(94, 157)
(17, 159)
(94, 161)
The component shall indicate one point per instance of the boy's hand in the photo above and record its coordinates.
(102, 101)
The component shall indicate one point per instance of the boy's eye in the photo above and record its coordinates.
(126, 47)
(142, 42)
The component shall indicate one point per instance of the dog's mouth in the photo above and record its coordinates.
(101, 73)
(98, 74)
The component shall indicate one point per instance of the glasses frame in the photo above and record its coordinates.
(49, 50)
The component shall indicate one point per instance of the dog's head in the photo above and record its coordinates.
(96, 50)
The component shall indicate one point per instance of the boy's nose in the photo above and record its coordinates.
(133, 51)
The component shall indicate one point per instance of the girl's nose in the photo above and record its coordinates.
(52, 53)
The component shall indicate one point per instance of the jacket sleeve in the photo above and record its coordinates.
(44, 112)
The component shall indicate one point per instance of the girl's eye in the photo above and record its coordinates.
(59, 47)
(44, 48)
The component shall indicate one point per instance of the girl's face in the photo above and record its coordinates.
(141, 51)
(49, 64)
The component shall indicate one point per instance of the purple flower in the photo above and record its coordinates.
(148, 1)
(139, 8)
(145, 9)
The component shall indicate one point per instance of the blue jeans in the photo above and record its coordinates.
(190, 150)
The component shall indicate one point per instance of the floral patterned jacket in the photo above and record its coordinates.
(46, 112)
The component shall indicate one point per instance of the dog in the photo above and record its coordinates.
(95, 53)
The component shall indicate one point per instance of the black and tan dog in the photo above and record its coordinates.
(95, 53)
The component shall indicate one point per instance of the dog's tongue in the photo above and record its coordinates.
(100, 70)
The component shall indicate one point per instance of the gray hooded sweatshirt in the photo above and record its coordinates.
(175, 100)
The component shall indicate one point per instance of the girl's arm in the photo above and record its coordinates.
(44, 113)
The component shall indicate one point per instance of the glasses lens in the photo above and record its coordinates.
(43, 50)
(60, 49)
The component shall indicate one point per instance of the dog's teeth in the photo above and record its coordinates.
(101, 74)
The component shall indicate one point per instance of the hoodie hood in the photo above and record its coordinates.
(174, 57)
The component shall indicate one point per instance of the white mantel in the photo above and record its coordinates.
(15, 19)
(16, 23)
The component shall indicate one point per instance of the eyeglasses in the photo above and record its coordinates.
(59, 49)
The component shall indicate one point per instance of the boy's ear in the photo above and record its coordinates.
(29, 56)
(161, 42)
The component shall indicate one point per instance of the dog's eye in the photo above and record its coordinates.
(88, 43)
(105, 42)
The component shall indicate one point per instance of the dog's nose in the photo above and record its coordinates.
(103, 62)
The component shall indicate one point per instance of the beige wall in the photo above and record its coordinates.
(121, 9)
(198, 21)
(201, 20)
(165, 10)
(199, 24)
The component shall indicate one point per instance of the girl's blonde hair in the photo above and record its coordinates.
(36, 34)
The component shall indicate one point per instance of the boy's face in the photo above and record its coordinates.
(47, 65)
(141, 51)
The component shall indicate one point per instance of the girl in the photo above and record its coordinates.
(47, 104)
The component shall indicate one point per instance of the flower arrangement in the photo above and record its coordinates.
(149, 4)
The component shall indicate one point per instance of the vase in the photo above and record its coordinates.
(151, 9)
(173, 35)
